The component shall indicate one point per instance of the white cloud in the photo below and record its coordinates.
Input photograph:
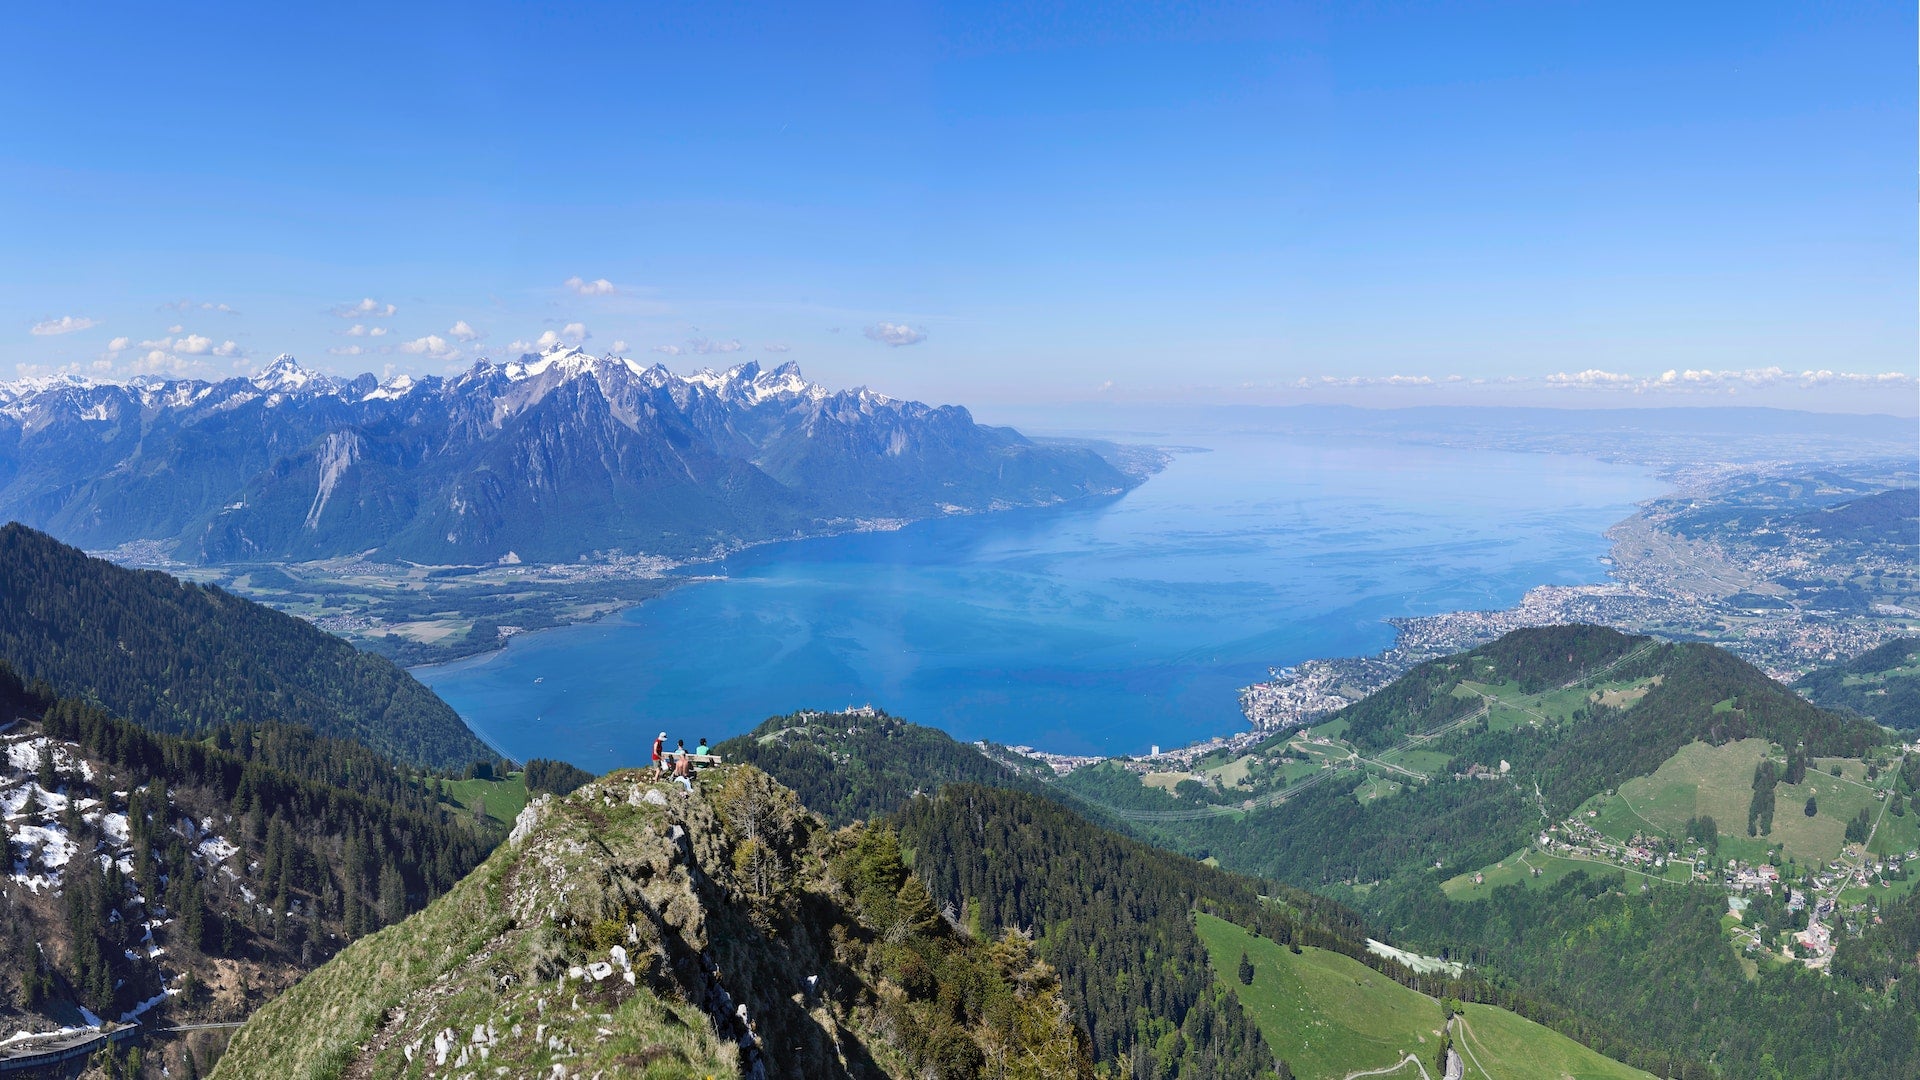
(707, 348)
(432, 345)
(598, 287)
(670, 350)
(360, 330)
(193, 344)
(896, 334)
(1338, 381)
(1824, 377)
(1730, 381)
(164, 362)
(571, 334)
(619, 347)
(778, 347)
(460, 331)
(118, 344)
(368, 308)
(1592, 378)
(203, 305)
(65, 324)
(346, 350)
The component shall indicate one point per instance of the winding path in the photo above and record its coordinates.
(1393, 1068)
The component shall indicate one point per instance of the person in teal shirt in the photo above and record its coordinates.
(701, 749)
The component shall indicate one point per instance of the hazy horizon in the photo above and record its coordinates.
(1275, 205)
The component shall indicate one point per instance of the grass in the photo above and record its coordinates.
(1897, 835)
(1165, 781)
(1332, 729)
(314, 1030)
(1230, 773)
(1325, 1014)
(1718, 780)
(1517, 869)
(1420, 761)
(1375, 788)
(1328, 1015)
(1507, 1045)
(504, 798)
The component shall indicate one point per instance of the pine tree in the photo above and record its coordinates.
(393, 895)
(43, 773)
(1246, 970)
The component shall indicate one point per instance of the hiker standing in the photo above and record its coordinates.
(659, 751)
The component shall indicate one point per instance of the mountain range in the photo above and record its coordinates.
(544, 459)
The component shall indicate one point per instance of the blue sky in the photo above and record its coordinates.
(1554, 203)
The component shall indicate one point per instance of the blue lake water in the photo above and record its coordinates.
(1094, 628)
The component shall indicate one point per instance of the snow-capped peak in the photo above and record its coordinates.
(284, 375)
(397, 387)
(783, 380)
(570, 359)
(747, 382)
(39, 384)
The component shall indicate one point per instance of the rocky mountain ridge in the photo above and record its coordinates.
(631, 929)
(545, 458)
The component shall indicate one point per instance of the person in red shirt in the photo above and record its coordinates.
(659, 748)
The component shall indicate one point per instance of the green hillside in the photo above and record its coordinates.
(1412, 779)
(1579, 765)
(1328, 1015)
(1882, 684)
(626, 929)
(176, 657)
(855, 766)
(1324, 1014)
(217, 870)
(1497, 1045)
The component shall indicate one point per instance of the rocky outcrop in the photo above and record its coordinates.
(638, 929)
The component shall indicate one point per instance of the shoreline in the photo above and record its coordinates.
(675, 582)
(1203, 742)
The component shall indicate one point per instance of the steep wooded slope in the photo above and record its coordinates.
(177, 657)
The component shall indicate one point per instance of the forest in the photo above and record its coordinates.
(874, 770)
(1882, 683)
(1657, 964)
(335, 840)
(172, 656)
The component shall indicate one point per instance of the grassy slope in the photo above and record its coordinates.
(1328, 1016)
(1717, 781)
(311, 1032)
(504, 798)
(1506, 1045)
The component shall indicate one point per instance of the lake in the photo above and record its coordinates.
(1097, 628)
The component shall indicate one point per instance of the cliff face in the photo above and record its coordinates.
(632, 930)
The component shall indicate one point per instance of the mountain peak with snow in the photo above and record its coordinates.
(284, 375)
(549, 456)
